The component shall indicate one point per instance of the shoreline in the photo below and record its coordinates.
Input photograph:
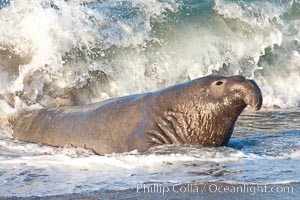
(210, 190)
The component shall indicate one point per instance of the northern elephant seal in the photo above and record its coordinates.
(199, 112)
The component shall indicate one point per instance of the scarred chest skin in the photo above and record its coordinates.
(198, 114)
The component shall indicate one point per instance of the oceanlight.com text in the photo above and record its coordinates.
(213, 188)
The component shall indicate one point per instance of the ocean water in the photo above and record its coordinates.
(55, 53)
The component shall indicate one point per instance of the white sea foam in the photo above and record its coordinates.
(52, 166)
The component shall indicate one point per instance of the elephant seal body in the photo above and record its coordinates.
(199, 112)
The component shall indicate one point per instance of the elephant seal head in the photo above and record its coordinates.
(235, 91)
(206, 109)
(222, 101)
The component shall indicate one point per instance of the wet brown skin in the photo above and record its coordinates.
(199, 112)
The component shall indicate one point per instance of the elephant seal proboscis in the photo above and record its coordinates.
(199, 112)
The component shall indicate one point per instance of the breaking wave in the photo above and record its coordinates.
(56, 53)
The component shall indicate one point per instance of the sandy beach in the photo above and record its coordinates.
(189, 191)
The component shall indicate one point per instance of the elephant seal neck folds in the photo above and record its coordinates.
(199, 112)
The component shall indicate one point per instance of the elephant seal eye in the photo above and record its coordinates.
(219, 83)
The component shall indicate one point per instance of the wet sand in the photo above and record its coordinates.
(188, 191)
